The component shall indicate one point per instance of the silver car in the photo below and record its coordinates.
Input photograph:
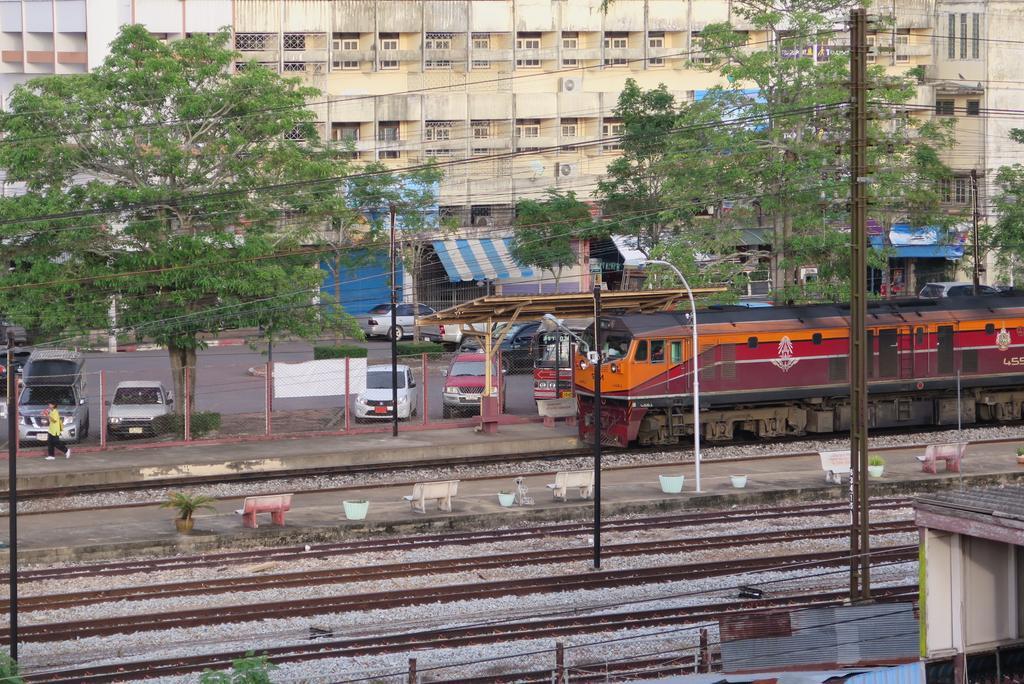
(375, 401)
(135, 407)
(377, 323)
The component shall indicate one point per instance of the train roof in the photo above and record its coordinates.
(887, 312)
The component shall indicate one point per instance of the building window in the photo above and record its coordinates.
(976, 36)
(438, 152)
(345, 132)
(481, 130)
(345, 41)
(481, 41)
(296, 41)
(973, 107)
(955, 190)
(292, 67)
(697, 55)
(438, 130)
(944, 107)
(480, 215)
(872, 51)
(902, 43)
(951, 37)
(437, 64)
(528, 41)
(616, 41)
(253, 42)
(527, 128)
(963, 36)
(438, 41)
(570, 41)
(609, 129)
(389, 154)
(656, 41)
(570, 128)
(388, 43)
(388, 131)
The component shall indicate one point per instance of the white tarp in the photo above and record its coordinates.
(324, 378)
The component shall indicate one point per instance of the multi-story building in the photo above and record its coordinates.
(517, 96)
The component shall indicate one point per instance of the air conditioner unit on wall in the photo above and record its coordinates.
(570, 85)
(563, 170)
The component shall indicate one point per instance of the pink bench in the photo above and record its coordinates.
(950, 453)
(274, 504)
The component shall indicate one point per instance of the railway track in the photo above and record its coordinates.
(446, 539)
(324, 646)
(433, 567)
(602, 579)
(369, 469)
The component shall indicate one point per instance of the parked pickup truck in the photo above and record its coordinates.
(449, 335)
(136, 408)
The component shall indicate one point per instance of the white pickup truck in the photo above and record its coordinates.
(449, 335)
(136, 407)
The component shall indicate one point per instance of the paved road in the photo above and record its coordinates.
(224, 384)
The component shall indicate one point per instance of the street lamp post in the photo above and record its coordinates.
(696, 364)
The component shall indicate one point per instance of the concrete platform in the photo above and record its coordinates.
(318, 517)
(165, 464)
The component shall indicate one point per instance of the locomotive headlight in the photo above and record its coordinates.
(583, 364)
(615, 368)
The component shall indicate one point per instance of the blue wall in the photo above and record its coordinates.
(362, 287)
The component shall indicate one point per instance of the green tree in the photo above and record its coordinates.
(1005, 237)
(783, 162)
(251, 669)
(186, 194)
(545, 229)
(632, 194)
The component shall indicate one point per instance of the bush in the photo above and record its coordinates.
(876, 460)
(202, 423)
(251, 669)
(340, 351)
(413, 348)
(9, 670)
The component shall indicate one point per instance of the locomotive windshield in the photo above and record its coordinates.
(614, 345)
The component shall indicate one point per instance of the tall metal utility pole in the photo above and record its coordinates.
(394, 329)
(597, 427)
(12, 492)
(860, 579)
(974, 202)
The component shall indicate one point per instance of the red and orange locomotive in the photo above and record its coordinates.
(785, 370)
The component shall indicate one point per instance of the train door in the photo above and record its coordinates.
(906, 352)
(888, 353)
(945, 350)
(920, 354)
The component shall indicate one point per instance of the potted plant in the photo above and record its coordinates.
(186, 504)
(876, 465)
(506, 499)
(1020, 455)
(738, 481)
(671, 484)
(356, 509)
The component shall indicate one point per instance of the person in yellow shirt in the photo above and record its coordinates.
(55, 427)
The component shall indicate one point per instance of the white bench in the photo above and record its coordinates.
(569, 479)
(274, 504)
(442, 491)
(951, 453)
(835, 464)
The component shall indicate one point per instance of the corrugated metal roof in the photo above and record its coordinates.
(909, 673)
(999, 502)
(843, 635)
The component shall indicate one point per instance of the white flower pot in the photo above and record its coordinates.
(671, 484)
(738, 481)
(356, 510)
(876, 471)
(506, 499)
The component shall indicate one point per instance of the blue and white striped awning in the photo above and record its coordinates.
(479, 259)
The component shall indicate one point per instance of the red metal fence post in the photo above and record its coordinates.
(348, 370)
(103, 409)
(412, 671)
(268, 404)
(704, 659)
(188, 404)
(424, 387)
(501, 383)
(559, 662)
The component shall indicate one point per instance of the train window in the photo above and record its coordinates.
(990, 329)
(641, 351)
(752, 342)
(657, 351)
(919, 337)
(816, 338)
(676, 351)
